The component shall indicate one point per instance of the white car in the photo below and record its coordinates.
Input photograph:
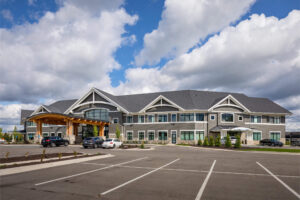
(2, 141)
(111, 143)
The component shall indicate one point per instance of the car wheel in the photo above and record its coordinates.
(66, 143)
(114, 146)
(85, 147)
(52, 144)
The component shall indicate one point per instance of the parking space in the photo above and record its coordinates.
(164, 173)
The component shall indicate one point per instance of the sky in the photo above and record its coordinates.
(59, 49)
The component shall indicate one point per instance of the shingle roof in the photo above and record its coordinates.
(60, 106)
(25, 114)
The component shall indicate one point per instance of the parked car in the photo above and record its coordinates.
(232, 140)
(54, 141)
(111, 143)
(2, 141)
(93, 142)
(270, 142)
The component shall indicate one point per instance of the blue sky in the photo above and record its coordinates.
(146, 39)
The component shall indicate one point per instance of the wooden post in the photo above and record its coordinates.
(39, 130)
(101, 130)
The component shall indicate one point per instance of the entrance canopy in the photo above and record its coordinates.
(230, 128)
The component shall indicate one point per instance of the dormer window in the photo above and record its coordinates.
(227, 117)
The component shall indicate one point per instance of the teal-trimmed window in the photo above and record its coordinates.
(151, 118)
(162, 135)
(150, 135)
(277, 120)
(141, 135)
(200, 135)
(30, 123)
(174, 117)
(187, 135)
(275, 135)
(129, 136)
(186, 117)
(97, 114)
(255, 119)
(227, 117)
(256, 136)
(141, 119)
(129, 119)
(199, 117)
(162, 118)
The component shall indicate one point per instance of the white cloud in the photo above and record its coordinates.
(185, 23)
(7, 15)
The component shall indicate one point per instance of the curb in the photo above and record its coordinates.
(28, 168)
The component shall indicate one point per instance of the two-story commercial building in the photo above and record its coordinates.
(169, 117)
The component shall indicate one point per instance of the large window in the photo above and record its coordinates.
(162, 135)
(275, 135)
(200, 135)
(174, 117)
(199, 117)
(186, 117)
(187, 135)
(30, 136)
(162, 118)
(255, 119)
(141, 135)
(97, 114)
(227, 117)
(151, 118)
(150, 135)
(129, 136)
(129, 119)
(30, 123)
(257, 136)
(276, 120)
(141, 119)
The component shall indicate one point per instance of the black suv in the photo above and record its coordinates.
(270, 142)
(93, 142)
(54, 141)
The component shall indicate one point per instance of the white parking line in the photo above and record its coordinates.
(198, 197)
(280, 181)
(137, 178)
(79, 174)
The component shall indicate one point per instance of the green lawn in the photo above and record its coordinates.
(272, 149)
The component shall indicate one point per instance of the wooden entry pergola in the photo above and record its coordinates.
(71, 123)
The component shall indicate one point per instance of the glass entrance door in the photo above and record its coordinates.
(174, 137)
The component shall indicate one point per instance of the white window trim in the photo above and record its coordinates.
(175, 116)
(256, 132)
(233, 117)
(256, 116)
(195, 119)
(153, 116)
(113, 120)
(131, 131)
(241, 117)
(163, 114)
(189, 113)
(199, 130)
(141, 131)
(141, 122)
(212, 115)
(274, 132)
(148, 134)
(190, 130)
(45, 133)
(163, 131)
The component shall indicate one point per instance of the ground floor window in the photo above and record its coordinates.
(199, 135)
(256, 136)
(129, 135)
(141, 135)
(31, 136)
(187, 135)
(59, 135)
(150, 135)
(52, 134)
(162, 135)
(45, 134)
(275, 135)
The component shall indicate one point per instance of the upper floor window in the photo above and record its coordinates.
(30, 123)
(173, 117)
(187, 117)
(227, 117)
(212, 117)
(276, 120)
(150, 118)
(162, 118)
(199, 117)
(255, 119)
(240, 118)
(97, 114)
(141, 119)
(129, 119)
(115, 120)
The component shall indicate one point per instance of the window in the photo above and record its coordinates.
(162, 135)
(257, 136)
(141, 135)
(275, 135)
(45, 134)
(30, 123)
(52, 134)
(212, 117)
(276, 120)
(141, 119)
(271, 120)
(30, 136)
(199, 117)
(255, 119)
(151, 118)
(227, 117)
(98, 114)
(129, 119)
(151, 135)
(59, 135)
(162, 118)
(200, 135)
(45, 125)
(186, 117)
(187, 135)
(129, 135)
(174, 117)
(115, 120)
(240, 118)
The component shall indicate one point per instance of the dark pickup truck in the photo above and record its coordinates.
(54, 141)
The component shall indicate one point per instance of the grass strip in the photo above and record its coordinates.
(272, 150)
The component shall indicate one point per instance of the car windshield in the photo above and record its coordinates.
(108, 140)
(46, 138)
(89, 138)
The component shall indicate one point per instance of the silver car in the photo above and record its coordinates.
(111, 143)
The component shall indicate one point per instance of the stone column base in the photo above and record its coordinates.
(38, 139)
(71, 139)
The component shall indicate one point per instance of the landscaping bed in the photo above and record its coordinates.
(132, 146)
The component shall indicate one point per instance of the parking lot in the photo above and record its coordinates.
(167, 172)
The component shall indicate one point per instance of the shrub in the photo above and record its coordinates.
(287, 142)
(142, 145)
(211, 141)
(228, 142)
(118, 133)
(6, 155)
(43, 155)
(218, 141)
(75, 153)
(205, 143)
(199, 142)
(238, 142)
(59, 155)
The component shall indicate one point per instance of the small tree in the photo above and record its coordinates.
(218, 141)
(1, 134)
(238, 142)
(228, 142)
(95, 131)
(199, 142)
(205, 143)
(211, 141)
(118, 133)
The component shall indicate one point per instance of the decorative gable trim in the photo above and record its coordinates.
(154, 104)
(229, 98)
(38, 110)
